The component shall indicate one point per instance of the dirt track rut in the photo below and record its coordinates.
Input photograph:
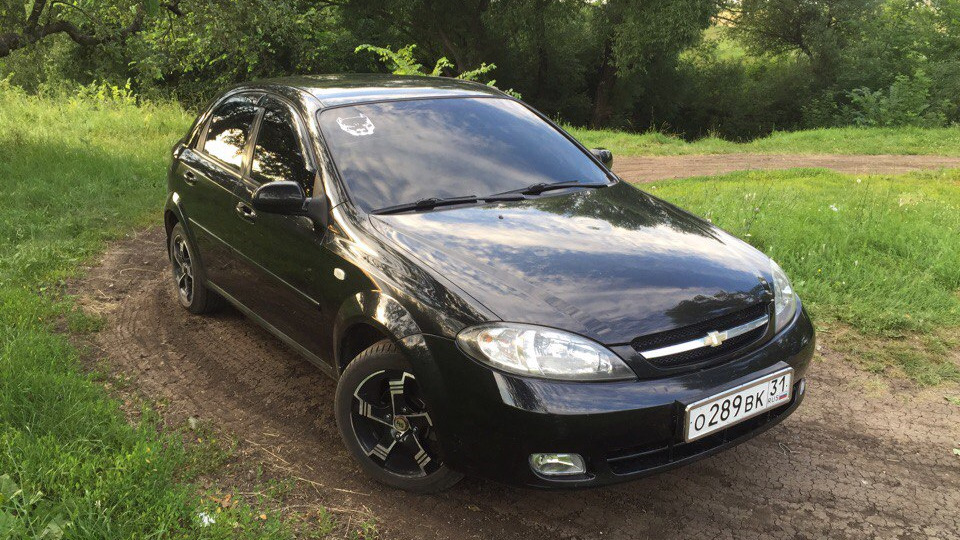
(851, 462)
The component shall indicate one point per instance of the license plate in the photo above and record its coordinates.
(738, 404)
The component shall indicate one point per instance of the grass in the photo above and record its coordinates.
(875, 258)
(904, 141)
(75, 174)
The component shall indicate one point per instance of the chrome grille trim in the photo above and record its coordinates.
(706, 341)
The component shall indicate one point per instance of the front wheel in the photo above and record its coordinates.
(386, 425)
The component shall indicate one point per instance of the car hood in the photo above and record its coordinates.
(612, 264)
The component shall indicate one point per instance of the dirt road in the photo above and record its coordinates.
(856, 460)
(650, 168)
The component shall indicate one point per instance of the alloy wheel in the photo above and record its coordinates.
(392, 425)
(182, 269)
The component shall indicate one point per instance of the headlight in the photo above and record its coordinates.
(542, 352)
(785, 299)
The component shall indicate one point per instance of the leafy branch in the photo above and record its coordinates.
(402, 62)
(43, 19)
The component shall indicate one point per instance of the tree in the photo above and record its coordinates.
(220, 42)
(638, 34)
(818, 29)
(86, 22)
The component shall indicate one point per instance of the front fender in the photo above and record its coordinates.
(377, 309)
(383, 312)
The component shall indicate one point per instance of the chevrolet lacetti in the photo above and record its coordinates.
(490, 298)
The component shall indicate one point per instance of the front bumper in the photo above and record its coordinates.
(489, 422)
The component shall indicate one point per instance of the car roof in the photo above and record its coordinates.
(345, 89)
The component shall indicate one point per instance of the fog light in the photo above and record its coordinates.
(557, 464)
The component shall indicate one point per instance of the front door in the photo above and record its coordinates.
(286, 254)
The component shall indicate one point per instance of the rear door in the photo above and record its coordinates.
(286, 254)
(209, 176)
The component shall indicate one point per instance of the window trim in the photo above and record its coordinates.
(202, 140)
(301, 133)
(245, 170)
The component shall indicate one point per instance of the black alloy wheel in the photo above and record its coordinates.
(392, 425)
(192, 293)
(386, 424)
(182, 268)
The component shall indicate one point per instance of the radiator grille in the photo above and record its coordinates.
(699, 330)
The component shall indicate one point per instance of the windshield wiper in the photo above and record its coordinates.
(538, 188)
(427, 204)
(432, 202)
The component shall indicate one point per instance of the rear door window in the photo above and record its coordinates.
(229, 129)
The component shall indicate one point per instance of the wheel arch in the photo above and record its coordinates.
(357, 338)
(173, 214)
(366, 318)
(170, 220)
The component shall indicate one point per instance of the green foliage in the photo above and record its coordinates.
(639, 44)
(105, 93)
(720, 89)
(735, 69)
(643, 33)
(871, 62)
(215, 44)
(818, 29)
(402, 62)
(905, 103)
(29, 514)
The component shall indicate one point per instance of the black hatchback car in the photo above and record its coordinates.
(490, 297)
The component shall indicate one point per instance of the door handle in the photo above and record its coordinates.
(190, 177)
(245, 212)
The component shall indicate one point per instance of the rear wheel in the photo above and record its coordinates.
(191, 291)
(386, 425)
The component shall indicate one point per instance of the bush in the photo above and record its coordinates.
(721, 90)
(907, 102)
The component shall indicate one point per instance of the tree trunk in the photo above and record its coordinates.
(605, 83)
(540, 34)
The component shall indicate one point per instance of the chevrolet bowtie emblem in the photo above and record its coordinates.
(715, 339)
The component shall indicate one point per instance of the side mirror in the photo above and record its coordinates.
(279, 198)
(288, 198)
(605, 156)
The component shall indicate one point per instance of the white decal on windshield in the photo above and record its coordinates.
(358, 126)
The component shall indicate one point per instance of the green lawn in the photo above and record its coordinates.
(874, 259)
(73, 176)
(942, 141)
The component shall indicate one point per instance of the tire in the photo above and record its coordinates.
(398, 450)
(188, 280)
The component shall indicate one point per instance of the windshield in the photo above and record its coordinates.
(403, 151)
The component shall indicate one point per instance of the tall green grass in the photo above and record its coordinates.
(905, 140)
(880, 254)
(74, 174)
